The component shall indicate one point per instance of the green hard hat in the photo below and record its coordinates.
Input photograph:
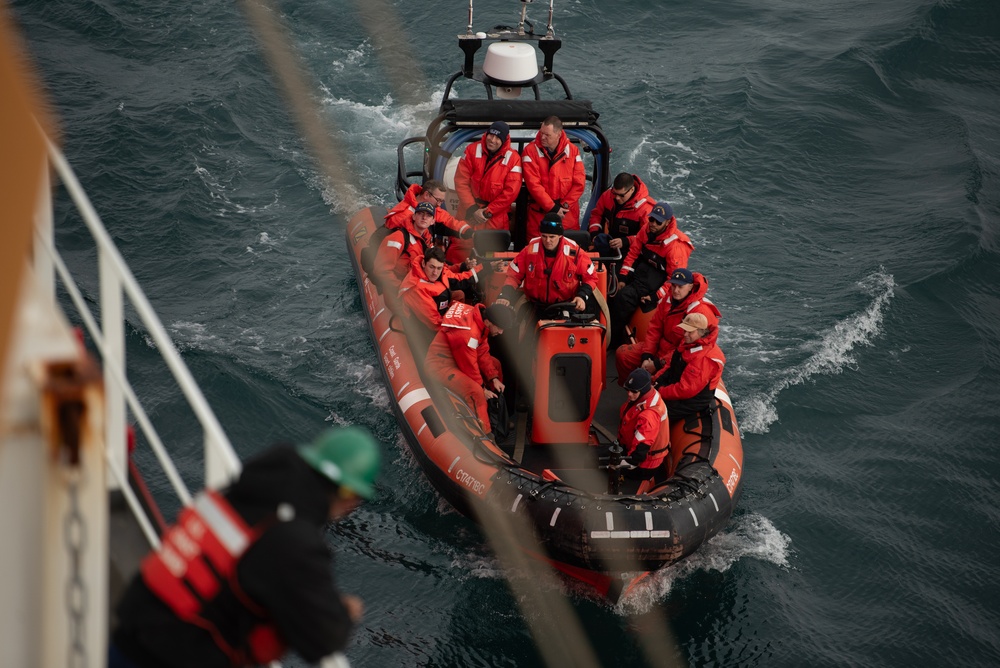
(348, 456)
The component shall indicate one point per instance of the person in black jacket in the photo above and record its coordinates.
(246, 574)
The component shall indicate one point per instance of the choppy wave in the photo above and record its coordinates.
(832, 353)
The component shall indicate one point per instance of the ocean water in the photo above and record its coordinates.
(837, 165)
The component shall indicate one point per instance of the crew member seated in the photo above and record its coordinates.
(459, 356)
(447, 230)
(401, 248)
(618, 215)
(551, 269)
(688, 384)
(657, 250)
(428, 291)
(687, 295)
(643, 431)
(487, 182)
(554, 177)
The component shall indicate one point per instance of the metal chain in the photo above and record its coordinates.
(75, 538)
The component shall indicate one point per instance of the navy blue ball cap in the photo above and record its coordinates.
(682, 277)
(639, 381)
(661, 212)
(425, 207)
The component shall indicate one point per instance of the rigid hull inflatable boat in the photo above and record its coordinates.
(586, 524)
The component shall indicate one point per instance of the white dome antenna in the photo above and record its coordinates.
(510, 62)
(510, 65)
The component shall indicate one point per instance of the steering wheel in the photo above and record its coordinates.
(565, 311)
(558, 311)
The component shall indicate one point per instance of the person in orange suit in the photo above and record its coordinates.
(554, 176)
(447, 231)
(687, 295)
(487, 182)
(620, 212)
(643, 429)
(688, 383)
(402, 247)
(459, 356)
(551, 269)
(655, 253)
(427, 293)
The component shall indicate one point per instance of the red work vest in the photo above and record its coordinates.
(196, 561)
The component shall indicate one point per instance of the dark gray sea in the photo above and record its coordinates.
(837, 165)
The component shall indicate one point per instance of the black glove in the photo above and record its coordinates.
(467, 233)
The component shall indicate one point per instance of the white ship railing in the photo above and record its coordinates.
(116, 283)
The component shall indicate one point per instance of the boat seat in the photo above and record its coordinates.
(581, 237)
(491, 241)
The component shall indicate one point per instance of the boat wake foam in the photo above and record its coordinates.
(831, 354)
(750, 536)
(366, 128)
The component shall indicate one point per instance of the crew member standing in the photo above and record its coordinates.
(554, 177)
(245, 574)
(487, 182)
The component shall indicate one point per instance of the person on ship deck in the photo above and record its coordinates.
(245, 574)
